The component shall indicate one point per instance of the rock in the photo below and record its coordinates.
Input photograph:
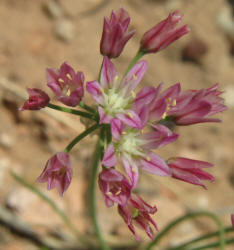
(228, 95)
(52, 9)
(64, 30)
(6, 141)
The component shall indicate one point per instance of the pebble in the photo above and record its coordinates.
(64, 30)
(52, 9)
(6, 141)
(228, 95)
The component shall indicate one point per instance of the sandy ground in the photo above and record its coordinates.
(36, 34)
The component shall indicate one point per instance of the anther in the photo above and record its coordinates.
(68, 76)
(148, 158)
(174, 103)
(164, 115)
(134, 77)
(109, 193)
(133, 94)
(133, 170)
(118, 192)
(130, 115)
(61, 80)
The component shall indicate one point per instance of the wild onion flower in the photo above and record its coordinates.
(66, 84)
(115, 35)
(57, 172)
(115, 97)
(114, 186)
(137, 212)
(189, 170)
(186, 107)
(163, 34)
(134, 148)
(38, 99)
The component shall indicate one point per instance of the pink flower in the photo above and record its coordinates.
(137, 212)
(115, 35)
(189, 170)
(114, 186)
(66, 84)
(116, 98)
(163, 34)
(196, 106)
(57, 172)
(186, 107)
(135, 150)
(38, 99)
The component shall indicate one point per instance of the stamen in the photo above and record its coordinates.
(130, 115)
(116, 78)
(109, 193)
(133, 94)
(124, 133)
(164, 115)
(169, 99)
(174, 103)
(133, 170)
(118, 192)
(61, 80)
(68, 76)
(148, 158)
(134, 77)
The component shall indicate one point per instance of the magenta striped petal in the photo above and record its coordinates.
(131, 119)
(109, 159)
(155, 165)
(108, 73)
(134, 76)
(116, 128)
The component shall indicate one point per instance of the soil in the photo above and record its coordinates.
(40, 34)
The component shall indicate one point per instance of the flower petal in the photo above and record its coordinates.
(108, 73)
(155, 165)
(109, 159)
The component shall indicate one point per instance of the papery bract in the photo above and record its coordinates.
(114, 186)
(66, 84)
(137, 212)
(189, 170)
(38, 99)
(163, 34)
(57, 172)
(115, 34)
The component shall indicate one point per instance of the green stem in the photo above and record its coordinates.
(138, 55)
(72, 111)
(213, 245)
(203, 237)
(51, 203)
(92, 189)
(188, 216)
(87, 108)
(100, 71)
(81, 136)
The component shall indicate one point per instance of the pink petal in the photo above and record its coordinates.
(109, 159)
(108, 73)
(104, 118)
(116, 128)
(131, 119)
(145, 96)
(155, 165)
(132, 171)
(134, 76)
(93, 88)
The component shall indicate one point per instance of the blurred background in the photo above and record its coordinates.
(38, 34)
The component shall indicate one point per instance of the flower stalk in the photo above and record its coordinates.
(72, 111)
(80, 137)
(92, 190)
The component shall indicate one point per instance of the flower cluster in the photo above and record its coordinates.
(139, 120)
